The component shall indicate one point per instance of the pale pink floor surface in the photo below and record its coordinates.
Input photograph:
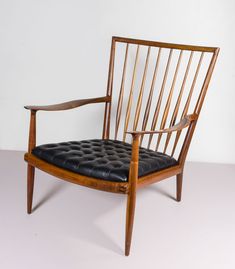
(76, 227)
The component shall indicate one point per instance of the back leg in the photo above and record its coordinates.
(30, 185)
(179, 181)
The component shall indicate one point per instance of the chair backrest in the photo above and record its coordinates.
(152, 86)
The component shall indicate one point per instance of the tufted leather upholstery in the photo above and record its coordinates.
(103, 159)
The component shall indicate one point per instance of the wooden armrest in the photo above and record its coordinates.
(69, 105)
(185, 122)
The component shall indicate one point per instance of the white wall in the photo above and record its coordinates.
(54, 50)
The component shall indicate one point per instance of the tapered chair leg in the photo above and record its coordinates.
(30, 185)
(179, 181)
(130, 212)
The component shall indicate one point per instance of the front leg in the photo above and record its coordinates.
(31, 169)
(30, 185)
(131, 198)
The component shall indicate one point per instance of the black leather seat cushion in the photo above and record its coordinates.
(103, 159)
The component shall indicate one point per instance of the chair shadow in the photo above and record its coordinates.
(89, 229)
(49, 195)
(95, 235)
(160, 191)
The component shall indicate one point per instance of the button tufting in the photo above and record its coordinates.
(103, 159)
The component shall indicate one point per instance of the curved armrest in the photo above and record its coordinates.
(185, 122)
(70, 105)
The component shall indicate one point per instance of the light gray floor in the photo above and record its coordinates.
(75, 227)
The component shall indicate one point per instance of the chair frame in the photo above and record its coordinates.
(134, 182)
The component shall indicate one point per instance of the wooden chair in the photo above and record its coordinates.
(151, 86)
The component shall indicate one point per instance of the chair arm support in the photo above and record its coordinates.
(134, 164)
(57, 107)
(185, 122)
(70, 105)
